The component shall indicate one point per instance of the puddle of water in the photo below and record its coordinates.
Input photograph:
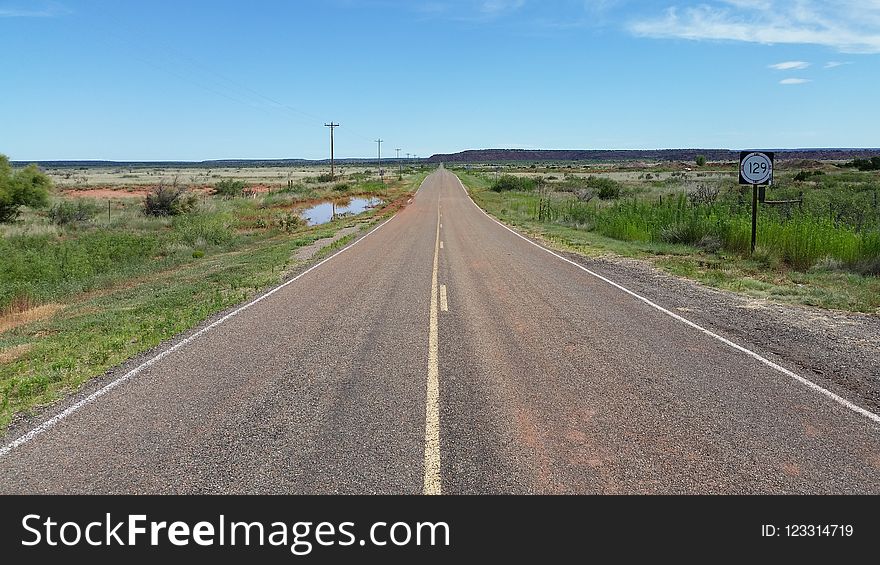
(327, 211)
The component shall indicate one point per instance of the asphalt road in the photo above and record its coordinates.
(443, 353)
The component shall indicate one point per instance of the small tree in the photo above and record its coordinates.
(26, 187)
(701, 160)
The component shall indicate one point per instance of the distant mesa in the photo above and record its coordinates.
(496, 156)
(619, 155)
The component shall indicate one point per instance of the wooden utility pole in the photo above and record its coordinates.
(332, 126)
(379, 141)
(400, 171)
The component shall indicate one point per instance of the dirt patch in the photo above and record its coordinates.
(16, 319)
(10, 354)
(138, 192)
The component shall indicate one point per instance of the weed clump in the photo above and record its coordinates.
(171, 200)
(291, 222)
(67, 212)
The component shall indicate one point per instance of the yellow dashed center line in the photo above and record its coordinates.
(432, 401)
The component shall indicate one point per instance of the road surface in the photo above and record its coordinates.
(443, 353)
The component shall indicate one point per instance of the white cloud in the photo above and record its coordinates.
(790, 66)
(849, 26)
(835, 64)
(794, 81)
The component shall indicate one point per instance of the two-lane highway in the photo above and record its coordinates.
(443, 353)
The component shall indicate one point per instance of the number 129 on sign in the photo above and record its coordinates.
(756, 167)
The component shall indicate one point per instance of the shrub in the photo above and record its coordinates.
(67, 212)
(291, 222)
(341, 186)
(230, 188)
(606, 189)
(26, 187)
(872, 164)
(511, 183)
(325, 177)
(700, 160)
(805, 175)
(169, 201)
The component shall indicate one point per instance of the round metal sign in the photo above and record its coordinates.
(756, 168)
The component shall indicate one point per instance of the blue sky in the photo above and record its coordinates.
(193, 80)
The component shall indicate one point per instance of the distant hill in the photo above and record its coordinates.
(484, 156)
(220, 163)
(611, 155)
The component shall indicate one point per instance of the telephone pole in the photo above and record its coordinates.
(332, 126)
(379, 141)
(399, 170)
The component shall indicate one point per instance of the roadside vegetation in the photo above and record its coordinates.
(86, 283)
(821, 247)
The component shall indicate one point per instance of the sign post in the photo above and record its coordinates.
(756, 169)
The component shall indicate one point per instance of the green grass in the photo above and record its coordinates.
(802, 258)
(127, 287)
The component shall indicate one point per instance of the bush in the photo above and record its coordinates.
(700, 160)
(291, 222)
(230, 188)
(805, 175)
(512, 183)
(169, 201)
(606, 189)
(26, 187)
(67, 212)
(326, 177)
(341, 186)
(872, 164)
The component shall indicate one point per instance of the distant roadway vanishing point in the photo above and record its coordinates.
(444, 353)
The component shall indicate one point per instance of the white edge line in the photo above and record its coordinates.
(51, 422)
(806, 382)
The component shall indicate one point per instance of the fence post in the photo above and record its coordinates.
(754, 216)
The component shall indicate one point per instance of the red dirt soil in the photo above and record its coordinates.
(141, 191)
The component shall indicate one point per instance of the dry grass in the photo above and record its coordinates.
(104, 177)
(15, 319)
(10, 354)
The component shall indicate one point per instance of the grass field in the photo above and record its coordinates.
(79, 298)
(823, 252)
(271, 176)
